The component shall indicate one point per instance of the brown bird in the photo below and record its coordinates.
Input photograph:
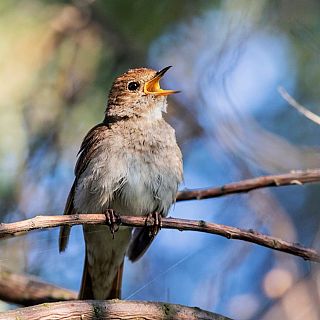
(129, 164)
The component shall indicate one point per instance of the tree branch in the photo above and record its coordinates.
(293, 178)
(295, 104)
(44, 222)
(112, 309)
(28, 290)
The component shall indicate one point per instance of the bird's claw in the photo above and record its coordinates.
(112, 220)
(154, 222)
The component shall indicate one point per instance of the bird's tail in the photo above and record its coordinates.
(86, 291)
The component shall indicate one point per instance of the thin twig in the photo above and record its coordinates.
(112, 309)
(293, 103)
(44, 222)
(293, 178)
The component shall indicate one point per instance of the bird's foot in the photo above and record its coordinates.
(154, 222)
(112, 220)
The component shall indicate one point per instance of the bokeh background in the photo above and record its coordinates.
(57, 62)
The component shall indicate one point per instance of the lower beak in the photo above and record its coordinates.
(153, 85)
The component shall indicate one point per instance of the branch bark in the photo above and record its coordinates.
(33, 291)
(44, 222)
(113, 309)
(293, 178)
(27, 290)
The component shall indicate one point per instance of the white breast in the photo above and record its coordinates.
(131, 179)
(128, 183)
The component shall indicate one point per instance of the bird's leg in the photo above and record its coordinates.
(112, 220)
(154, 222)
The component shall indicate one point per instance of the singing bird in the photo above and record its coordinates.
(129, 164)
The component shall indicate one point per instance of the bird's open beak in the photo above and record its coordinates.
(153, 85)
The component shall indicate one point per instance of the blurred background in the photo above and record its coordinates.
(57, 62)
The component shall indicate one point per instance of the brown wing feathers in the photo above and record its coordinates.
(88, 147)
(65, 230)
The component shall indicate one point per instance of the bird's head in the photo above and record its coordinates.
(137, 93)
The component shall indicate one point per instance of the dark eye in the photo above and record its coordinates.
(133, 86)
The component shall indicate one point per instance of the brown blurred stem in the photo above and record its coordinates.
(112, 309)
(44, 222)
(293, 178)
(28, 290)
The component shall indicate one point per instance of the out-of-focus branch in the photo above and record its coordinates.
(112, 309)
(44, 222)
(293, 178)
(295, 104)
(28, 290)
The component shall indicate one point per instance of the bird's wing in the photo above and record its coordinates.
(89, 146)
(87, 150)
(140, 242)
(65, 230)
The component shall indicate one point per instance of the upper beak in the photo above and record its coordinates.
(153, 85)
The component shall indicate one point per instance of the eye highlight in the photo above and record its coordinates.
(133, 86)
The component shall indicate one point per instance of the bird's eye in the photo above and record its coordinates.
(133, 86)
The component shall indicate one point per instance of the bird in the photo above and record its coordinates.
(129, 164)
